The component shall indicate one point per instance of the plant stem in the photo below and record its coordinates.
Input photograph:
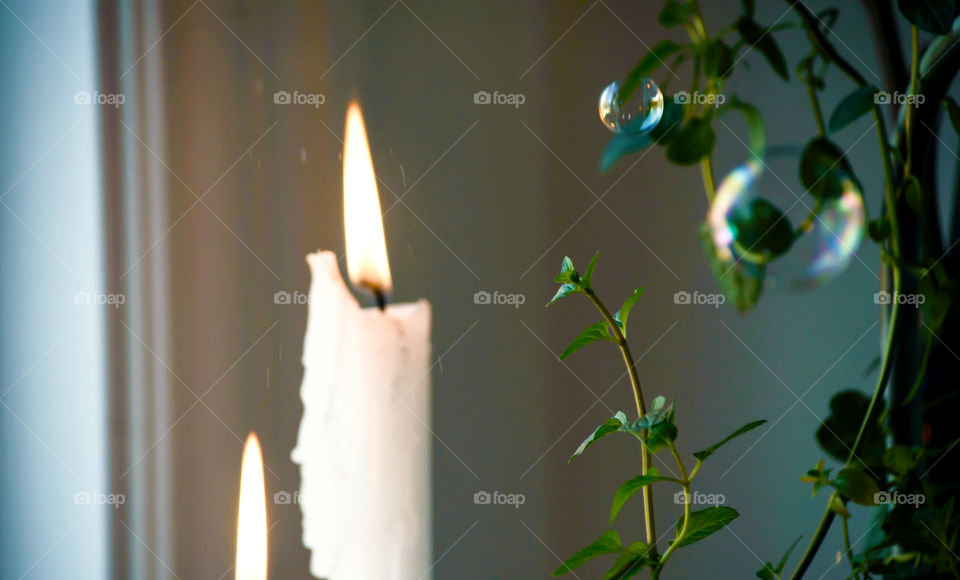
(846, 546)
(814, 101)
(812, 24)
(706, 168)
(621, 341)
(911, 110)
(687, 504)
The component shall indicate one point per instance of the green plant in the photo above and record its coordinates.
(656, 431)
(892, 441)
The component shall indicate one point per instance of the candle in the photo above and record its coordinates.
(252, 515)
(364, 440)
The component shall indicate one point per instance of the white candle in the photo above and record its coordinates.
(251, 561)
(364, 442)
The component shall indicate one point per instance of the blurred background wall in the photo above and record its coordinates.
(481, 198)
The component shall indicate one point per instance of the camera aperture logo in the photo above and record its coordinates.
(699, 298)
(499, 498)
(499, 298)
(698, 98)
(498, 98)
(298, 98)
(287, 498)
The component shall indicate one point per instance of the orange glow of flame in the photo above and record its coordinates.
(367, 262)
(252, 516)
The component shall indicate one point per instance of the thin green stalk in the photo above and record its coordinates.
(706, 168)
(687, 504)
(621, 341)
(814, 100)
(911, 110)
(846, 546)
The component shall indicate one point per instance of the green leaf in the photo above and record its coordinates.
(769, 572)
(717, 59)
(913, 194)
(857, 486)
(693, 142)
(760, 38)
(631, 487)
(740, 282)
(568, 278)
(838, 506)
(823, 168)
(593, 333)
(564, 290)
(852, 107)
(674, 13)
(761, 232)
(900, 459)
(838, 432)
(621, 316)
(627, 566)
(608, 543)
(647, 65)
(702, 455)
(953, 112)
(662, 432)
(934, 16)
(879, 229)
(612, 425)
(620, 145)
(703, 523)
(587, 279)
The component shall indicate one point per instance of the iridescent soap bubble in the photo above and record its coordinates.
(831, 239)
(828, 241)
(638, 115)
(732, 204)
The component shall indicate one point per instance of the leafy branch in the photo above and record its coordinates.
(656, 430)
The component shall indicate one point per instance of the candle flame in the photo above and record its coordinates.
(367, 262)
(252, 517)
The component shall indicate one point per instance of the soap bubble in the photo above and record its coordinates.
(732, 204)
(828, 241)
(638, 115)
(831, 239)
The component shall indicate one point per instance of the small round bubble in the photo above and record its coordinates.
(638, 115)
